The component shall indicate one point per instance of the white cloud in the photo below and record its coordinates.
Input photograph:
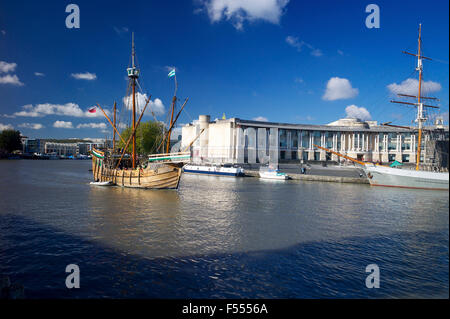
(84, 76)
(63, 124)
(68, 109)
(340, 52)
(8, 116)
(339, 88)
(239, 11)
(121, 30)
(10, 79)
(411, 87)
(6, 127)
(305, 118)
(6, 67)
(33, 126)
(316, 52)
(92, 125)
(39, 74)
(355, 112)
(260, 119)
(296, 43)
(156, 105)
(3, 32)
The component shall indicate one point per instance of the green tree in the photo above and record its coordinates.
(10, 141)
(148, 134)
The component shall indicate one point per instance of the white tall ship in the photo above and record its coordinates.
(380, 175)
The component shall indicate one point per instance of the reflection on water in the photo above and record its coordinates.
(218, 223)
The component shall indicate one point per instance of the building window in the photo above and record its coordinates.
(305, 155)
(392, 141)
(294, 155)
(380, 141)
(282, 155)
(316, 137)
(338, 134)
(317, 156)
(305, 139)
(294, 136)
(283, 138)
(329, 139)
(391, 157)
(405, 158)
(406, 141)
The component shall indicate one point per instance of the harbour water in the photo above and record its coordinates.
(218, 237)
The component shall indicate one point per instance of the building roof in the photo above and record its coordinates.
(341, 125)
(337, 126)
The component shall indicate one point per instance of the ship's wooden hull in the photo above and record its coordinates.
(155, 176)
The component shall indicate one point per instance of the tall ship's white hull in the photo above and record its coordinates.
(395, 177)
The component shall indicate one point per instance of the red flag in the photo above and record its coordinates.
(92, 109)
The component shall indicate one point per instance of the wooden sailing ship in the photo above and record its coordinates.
(118, 167)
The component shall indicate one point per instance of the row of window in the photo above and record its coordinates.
(304, 137)
(294, 156)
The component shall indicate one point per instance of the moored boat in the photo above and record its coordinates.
(272, 173)
(119, 167)
(152, 175)
(221, 170)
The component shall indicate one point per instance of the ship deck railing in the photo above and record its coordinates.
(177, 157)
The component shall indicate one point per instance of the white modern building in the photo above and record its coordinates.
(245, 141)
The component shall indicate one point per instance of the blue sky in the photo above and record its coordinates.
(276, 60)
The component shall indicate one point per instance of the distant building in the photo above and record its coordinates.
(86, 148)
(34, 146)
(23, 139)
(66, 149)
(44, 146)
(244, 141)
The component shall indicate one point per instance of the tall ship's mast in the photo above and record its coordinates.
(133, 75)
(420, 115)
(421, 118)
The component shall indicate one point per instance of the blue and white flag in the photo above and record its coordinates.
(171, 73)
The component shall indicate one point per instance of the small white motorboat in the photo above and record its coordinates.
(101, 183)
(272, 173)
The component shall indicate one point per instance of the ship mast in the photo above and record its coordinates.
(174, 100)
(420, 117)
(420, 106)
(114, 132)
(133, 74)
